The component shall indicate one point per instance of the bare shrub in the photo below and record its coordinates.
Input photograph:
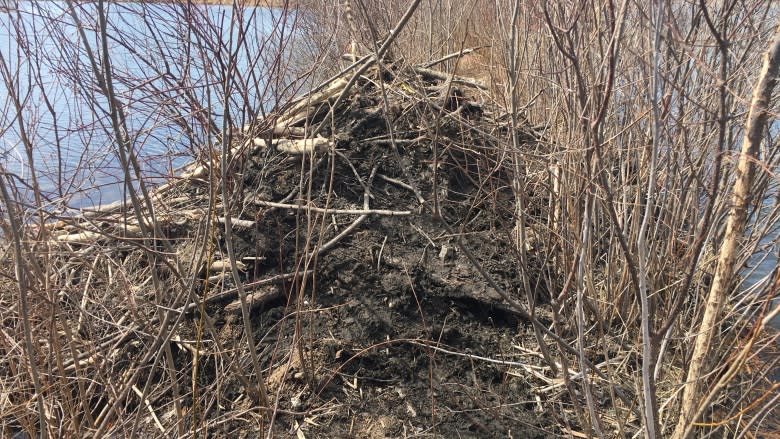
(607, 135)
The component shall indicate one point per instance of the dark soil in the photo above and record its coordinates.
(396, 315)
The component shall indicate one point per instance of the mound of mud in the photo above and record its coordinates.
(364, 221)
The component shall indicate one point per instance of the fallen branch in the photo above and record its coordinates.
(333, 211)
(301, 109)
(256, 299)
(328, 245)
(453, 55)
(228, 294)
(435, 74)
(82, 237)
(238, 223)
(278, 131)
(296, 146)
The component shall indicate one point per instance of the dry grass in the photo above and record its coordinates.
(613, 168)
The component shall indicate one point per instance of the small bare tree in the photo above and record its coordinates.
(722, 284)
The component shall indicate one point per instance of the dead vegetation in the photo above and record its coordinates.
(402, 252)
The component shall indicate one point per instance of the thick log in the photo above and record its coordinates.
(297, 146)
(81, 238)
(435, 74)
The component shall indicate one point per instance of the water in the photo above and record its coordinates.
(168, 62)
(763, 262)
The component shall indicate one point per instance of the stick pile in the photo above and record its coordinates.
(375, 147)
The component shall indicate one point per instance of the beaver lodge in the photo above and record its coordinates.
(351, 266)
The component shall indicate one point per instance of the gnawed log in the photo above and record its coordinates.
(86, 237)
(221, 265)
(238, 223)
(199, 171)
(272, 281)
(301, 107)
(279, 131)
(265, 294)
(435, 74)
(129, 231)
(296, 146)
